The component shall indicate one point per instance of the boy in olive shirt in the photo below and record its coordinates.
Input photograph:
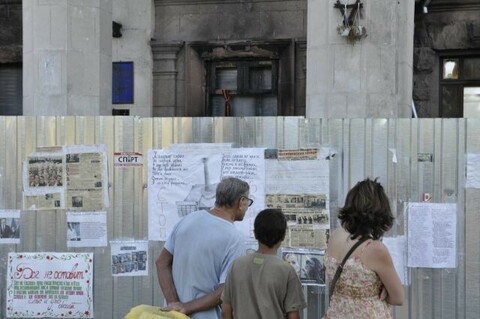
(262, 285)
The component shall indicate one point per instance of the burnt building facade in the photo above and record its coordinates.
(447, 58)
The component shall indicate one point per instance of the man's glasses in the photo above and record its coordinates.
(250, 201)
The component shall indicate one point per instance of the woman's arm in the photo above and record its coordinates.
(227, 311)
(377, 258)
(293, 315)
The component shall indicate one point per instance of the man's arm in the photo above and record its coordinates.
(165, 277)
(206, 302)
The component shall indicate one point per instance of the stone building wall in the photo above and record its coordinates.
(10, 31)
(188, 30)
(446, 26)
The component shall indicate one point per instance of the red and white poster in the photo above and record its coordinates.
(53, 285)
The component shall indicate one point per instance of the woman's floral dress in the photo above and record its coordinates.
(356, 293)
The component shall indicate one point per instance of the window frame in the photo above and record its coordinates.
(461, 82)
(243, 66)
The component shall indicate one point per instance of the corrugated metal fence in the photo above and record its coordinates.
(384, 148)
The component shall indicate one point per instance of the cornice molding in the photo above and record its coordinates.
(197, 2)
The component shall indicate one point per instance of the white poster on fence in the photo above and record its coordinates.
(183, 181)
(432, 235)
(86, 229)
(397, 248)
(53, 285)
(473, 171)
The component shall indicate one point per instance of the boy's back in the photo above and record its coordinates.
(263, 286)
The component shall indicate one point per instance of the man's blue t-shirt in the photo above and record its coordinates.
(204, 247)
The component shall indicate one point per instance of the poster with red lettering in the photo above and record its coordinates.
(53, 285)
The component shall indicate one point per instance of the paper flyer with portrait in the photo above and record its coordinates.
(432, 235)
(53, 285)
(305, 202)
(129, 258)
(308, 263)
(9, 226)
(72, 177)
(87, 229)
(182, 181)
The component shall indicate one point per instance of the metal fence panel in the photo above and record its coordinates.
(385, 148)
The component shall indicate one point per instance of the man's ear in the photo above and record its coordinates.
(284, 234)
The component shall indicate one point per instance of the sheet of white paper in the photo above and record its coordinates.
(397, 248)
(473, 171)
(432, 233)
(310, 176)
(180, 182)
(86, 229)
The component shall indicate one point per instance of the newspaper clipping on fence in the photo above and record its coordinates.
(73, 177)
(297, 182)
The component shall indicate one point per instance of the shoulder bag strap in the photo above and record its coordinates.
(340, 267)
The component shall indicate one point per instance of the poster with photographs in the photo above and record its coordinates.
(305, 203)
(129, 258)
(9, 226)
(43, 179)
(308, 263)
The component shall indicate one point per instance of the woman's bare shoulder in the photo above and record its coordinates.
(376, 255)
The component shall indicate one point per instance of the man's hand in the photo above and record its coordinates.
(177, 306)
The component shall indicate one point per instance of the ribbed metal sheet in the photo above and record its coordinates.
(383, 148)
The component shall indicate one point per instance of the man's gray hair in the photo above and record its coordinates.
(229, 190)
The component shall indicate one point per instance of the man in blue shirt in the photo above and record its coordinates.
(194, 262)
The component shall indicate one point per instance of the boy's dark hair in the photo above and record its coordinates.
(270, 226)
(367, 210)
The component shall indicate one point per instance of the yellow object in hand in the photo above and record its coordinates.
(152, 312)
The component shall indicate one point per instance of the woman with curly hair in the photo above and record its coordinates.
(369, 283)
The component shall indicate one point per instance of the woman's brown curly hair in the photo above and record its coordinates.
(367, 210)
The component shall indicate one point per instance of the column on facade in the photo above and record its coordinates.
(367, 78)
(67, 57)
(165, 74)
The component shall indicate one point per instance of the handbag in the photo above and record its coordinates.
(340, 267)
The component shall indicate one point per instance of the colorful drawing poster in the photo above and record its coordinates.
(53, 285)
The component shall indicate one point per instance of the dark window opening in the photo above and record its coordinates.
(120, 112)
(242, 88)
(460, 85)
(11, 91)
